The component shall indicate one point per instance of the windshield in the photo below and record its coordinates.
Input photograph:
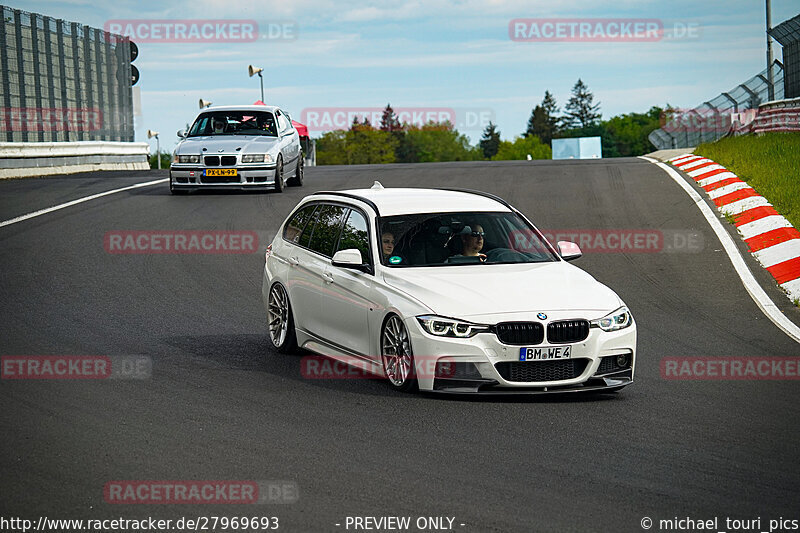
(235, 123)
(442, 239)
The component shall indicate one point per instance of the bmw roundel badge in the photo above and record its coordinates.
(541, 316)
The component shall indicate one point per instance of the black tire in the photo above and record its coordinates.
(279, 183)
(401, 378)
(297, 179)
(280, 309)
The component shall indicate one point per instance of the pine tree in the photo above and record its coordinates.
(543, 121)
(580, 110)
(389, 120)
(490, 142)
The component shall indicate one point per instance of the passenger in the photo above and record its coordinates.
(387, 244)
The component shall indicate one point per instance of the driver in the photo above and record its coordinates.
(472, 242)
(219, 125)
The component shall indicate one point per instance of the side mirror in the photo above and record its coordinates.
(181, 133)
(350, 258)
(569, 250)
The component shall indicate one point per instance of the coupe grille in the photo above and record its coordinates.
(228, 160)
(520, 333)
(212, 160)
(567, 331)
(536, 371)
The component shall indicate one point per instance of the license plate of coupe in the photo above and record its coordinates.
(221, 172)
(545, 352)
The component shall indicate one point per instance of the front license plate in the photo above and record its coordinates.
(545, 352)
(221, 172)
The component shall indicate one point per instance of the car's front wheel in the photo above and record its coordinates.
(280, 320)
(396, 354)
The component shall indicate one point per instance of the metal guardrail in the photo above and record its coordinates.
(19, 160)
(712, 119)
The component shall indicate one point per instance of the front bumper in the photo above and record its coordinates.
(247, 177)
(480, 363)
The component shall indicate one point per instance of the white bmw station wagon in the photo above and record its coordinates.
(443, 290)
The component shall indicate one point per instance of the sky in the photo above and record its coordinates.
(450, 57)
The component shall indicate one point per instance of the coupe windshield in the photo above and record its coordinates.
(235, 123)
(440, 239)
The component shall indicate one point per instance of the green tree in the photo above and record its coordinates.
(581, 111)
(331, 148)
(629, 131)
(543, 121)
(361, 144)
(521, 148)
(490, 142)
(367, 145)
(389, 120)
(436, 141)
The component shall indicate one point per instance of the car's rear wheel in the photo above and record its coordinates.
(280, 320)
(297, 179)
(279, 180)
(396, 354)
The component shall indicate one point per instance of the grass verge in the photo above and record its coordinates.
(769, 163)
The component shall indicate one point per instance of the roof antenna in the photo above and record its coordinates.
(377, 185)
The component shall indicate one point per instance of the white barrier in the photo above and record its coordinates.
(779, 115)
(18, 160)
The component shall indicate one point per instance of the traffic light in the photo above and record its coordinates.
(134, 70)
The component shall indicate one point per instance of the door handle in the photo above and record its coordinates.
(294, 261)
(328, 277)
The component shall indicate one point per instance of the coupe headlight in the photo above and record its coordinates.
(188, 159)
(253, 158)
(448, 327)
(619, 319)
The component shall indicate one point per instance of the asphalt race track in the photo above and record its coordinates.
(221, 405)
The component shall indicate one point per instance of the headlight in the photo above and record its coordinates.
(188, 158)
(448, 327)
(619, 319)
(253, 158)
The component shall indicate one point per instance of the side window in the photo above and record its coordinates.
(295, 226)
(281, 122)
(305, 237)
(326, 229)
(355, 235)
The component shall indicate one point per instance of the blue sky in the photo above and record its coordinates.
(433, 53)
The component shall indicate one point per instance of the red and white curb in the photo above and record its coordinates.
(771, 238)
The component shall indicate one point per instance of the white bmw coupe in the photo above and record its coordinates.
(443, 290)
